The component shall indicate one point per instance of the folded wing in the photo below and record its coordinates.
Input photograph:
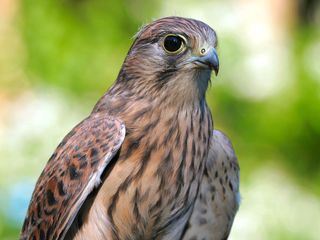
(70, 175)
(218, 198)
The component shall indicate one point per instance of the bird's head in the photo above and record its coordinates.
(172, 54)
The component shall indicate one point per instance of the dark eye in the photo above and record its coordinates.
(173, 43)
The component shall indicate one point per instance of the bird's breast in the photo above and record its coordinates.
(155, 180)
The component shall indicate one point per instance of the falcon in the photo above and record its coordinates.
(146, 163)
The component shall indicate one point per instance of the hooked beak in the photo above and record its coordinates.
(209, 60)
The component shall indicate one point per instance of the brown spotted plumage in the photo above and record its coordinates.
(141, 163)
(70, 175)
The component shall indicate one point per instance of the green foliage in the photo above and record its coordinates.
(285, 127)
(8, 231)
(73, 44)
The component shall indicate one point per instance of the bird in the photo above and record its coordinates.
(147, 162)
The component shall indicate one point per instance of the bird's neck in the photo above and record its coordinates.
(129, 103)
(160, 93)
(183, 89)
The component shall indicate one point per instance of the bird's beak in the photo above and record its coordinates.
(208, 60)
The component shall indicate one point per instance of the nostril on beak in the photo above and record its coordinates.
(211, 59)
(208, 59)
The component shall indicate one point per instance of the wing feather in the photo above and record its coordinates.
(70, 175)
(218, 197)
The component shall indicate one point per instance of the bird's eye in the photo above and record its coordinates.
(173, 44)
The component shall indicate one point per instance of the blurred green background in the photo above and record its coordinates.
(57, 57)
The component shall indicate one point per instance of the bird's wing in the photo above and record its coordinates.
(71, 173)
(218, 198)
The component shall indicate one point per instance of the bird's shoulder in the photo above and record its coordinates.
(71, 174)
(221, 151)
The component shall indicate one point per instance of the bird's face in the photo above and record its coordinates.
(173, 52)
